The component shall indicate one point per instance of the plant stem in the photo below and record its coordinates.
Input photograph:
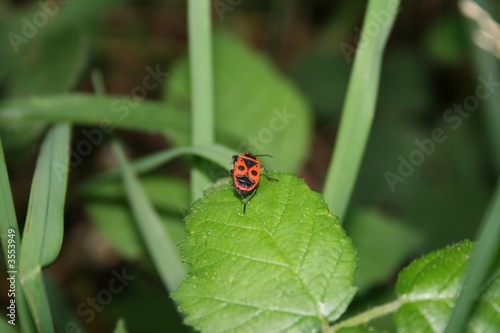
(200, 62)
(367, 316)
(359, 106)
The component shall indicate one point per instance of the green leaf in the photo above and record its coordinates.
(106, 203)
(164, 254)
(106, 112)
(9, 233)
(429, 288)
(359, 105)
(45, 51)
(480, 264)
(43, 231)
(202, 86)
(49, 189)
(60, 57)
(382, 245)
(257, 110)
(217, 154)
(284, 265)
(8, 220)
(25, 34)
(49, 65)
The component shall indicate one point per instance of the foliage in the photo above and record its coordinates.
(430, 286)
(117, 197)
(285, 265)
(271, 118)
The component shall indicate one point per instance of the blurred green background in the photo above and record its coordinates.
(270, 58)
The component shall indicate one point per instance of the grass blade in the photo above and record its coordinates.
(8, 221)
(359, 105)
(107, 112)
(43, 230)
(480, 264)
(162, 250)
(200, 61)
(486, 64)
(217, 154)
(8, 218)
(487, 242)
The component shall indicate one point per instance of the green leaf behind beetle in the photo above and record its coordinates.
(257, 109)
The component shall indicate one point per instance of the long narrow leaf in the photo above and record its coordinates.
(8, 218)
(200, 61)
(163, 251)
(481, 23)
(480, 264)
(8, 226)
(43, 230)
(107, 112)
(218, 154)
(359, 105)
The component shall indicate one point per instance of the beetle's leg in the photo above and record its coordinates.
(247, 200)
(267, 174)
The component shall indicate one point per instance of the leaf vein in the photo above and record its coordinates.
(452, 276)
(232, 225)
(311, 235)
(239, 255)
(246, 321)
(234, 302)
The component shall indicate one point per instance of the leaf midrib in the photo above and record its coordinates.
(288, 264)
(258, 307)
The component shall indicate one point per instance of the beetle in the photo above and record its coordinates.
(246, 175)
